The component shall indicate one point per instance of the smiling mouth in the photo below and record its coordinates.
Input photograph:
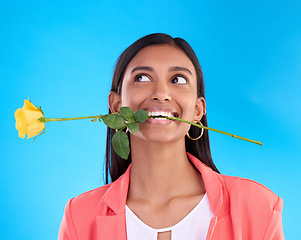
(161, 115)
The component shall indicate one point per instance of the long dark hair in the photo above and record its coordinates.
(116, 166)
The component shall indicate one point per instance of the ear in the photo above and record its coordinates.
(114, 101)
(200, 109)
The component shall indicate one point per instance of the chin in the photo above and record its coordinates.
(158, 137)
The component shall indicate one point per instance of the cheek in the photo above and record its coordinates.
(188, 106)
(131, 98)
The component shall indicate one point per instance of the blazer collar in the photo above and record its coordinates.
(111, 223)
(215, 187)
(116, 195)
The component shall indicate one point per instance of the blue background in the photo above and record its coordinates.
(61, 54)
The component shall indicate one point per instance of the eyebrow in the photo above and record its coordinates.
(171, 69)
(142, 68)
(174, 69)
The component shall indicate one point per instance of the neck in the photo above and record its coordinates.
(162, 171)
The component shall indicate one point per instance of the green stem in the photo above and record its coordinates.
(67, 119)
(208, 128)
(74, 118)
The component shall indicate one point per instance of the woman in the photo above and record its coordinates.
(169, 188)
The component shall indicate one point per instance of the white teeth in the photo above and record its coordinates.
(165, 114)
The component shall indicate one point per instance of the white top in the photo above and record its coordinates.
(193, 227)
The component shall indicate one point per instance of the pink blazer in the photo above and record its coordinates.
(243, 209)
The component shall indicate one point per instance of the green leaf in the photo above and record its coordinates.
(127, 113)
(133, 127)
(120, 142)
(113, 121)
(141, 116)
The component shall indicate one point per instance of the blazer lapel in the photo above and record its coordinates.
(111, 224)
(216, 192)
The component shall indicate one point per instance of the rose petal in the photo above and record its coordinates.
(29, 105)
(21, 134)
(31, 115)
(35, 128)
(21, 123)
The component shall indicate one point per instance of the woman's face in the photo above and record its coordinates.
(162, 80)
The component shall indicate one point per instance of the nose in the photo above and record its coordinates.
(161, 92)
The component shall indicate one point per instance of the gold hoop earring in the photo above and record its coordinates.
(197, 138)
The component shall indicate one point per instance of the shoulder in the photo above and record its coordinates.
(252, 207)
(250, 195)
(81, 211)
(236, 192)
(89, 200)
(246, 187)
(94, 193)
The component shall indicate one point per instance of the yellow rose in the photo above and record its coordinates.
(27, 120)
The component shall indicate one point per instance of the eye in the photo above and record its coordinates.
(141, 78)
(179, 80)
